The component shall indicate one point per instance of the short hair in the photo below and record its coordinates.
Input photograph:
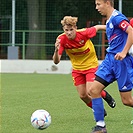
(69, 20)
(111, 2)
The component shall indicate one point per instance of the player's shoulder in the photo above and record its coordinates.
(62, 36)
(117, 17)
(117, 14)
(84, 30)
(81, 30)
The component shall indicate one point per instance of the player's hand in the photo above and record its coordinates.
(120, 56)
(57, 44)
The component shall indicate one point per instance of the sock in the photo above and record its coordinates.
(101, 123)
(90, 104)
(98, 108)
(103, 94)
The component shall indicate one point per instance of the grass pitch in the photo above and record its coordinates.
(22, 94)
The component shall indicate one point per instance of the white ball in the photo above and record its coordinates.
(41, 119)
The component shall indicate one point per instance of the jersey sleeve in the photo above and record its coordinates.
(121, 22)
(123, 25)
(91, 32)
(131, 22)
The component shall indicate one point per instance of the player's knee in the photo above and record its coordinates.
(92, 91)
(128, 102)
(83, 96)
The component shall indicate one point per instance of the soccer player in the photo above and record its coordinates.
(117, 65)
(80, 49)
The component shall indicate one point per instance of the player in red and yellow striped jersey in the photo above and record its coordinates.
(80, 49)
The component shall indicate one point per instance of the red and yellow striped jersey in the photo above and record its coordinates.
(80, 50)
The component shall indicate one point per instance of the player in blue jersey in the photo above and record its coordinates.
(117, 65)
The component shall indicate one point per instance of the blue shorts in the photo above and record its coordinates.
(121, 71)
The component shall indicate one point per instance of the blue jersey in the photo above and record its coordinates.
(116, 36)
(112, 69)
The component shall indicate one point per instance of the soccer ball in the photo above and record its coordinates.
(41, 119)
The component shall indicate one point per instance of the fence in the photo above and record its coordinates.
(37, 24)
(28, 50)
(26, 46)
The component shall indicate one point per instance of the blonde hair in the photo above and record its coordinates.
(69, 20)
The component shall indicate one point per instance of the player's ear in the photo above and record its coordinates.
(108, 2)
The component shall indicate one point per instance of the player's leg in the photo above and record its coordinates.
(83, 94)
(125, 81)
(90, 76)
(127, 98)
(95, 90)
(104, 94)
(79, 80)
(98, 106)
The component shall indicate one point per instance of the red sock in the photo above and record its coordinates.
(103, 94)
(89, 104)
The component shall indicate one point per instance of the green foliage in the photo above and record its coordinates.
(22, 94)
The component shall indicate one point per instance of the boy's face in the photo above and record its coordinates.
(70, 31)
(102, 6)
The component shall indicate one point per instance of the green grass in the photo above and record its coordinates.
(22, 94)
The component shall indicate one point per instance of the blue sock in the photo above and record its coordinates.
(98, 108)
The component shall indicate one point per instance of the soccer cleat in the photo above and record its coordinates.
(108, 98)
(99, 129)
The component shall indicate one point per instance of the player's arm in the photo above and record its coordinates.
(129, 42)
(91, 32)
(129, 30)
(100, 27)
(56, 56)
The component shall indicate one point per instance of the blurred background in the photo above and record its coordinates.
(28, 28)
